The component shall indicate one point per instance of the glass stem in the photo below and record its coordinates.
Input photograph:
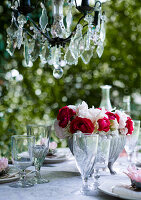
(22, 176)
(38, 174)
(129, 157)
(96, 178)
(85, 183)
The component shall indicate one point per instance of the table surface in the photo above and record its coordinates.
(64, 184)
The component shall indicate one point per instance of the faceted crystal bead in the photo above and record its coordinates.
(55, 55)
(95, 37)
(35, 53)
(11, 45)
(11, 30)
(26, 51)
(21, 20)
(19, 35)
(100, 50)
(69, 58)
(89, 19)
(81, 47)
(31, 44)
(102, 31)
(74, 44)
(43, 21)
(45, 53)
(58, 73)
(69, 20)
(11, 39)
(87, 55)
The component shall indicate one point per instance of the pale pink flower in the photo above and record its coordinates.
(52, 145)
(43, 141)
(134, 173)
(60, 132)
(123, 131)
(3, 163)
(122, 119)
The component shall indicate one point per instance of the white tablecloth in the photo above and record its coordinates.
(64, 184)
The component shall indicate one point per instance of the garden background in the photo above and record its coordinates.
(33, 95)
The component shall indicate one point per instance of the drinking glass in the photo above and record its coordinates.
(41, 133)
(102, 157)
(131, 140)
(85, 149)
(22, 157)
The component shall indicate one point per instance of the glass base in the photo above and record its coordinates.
(22, 184)
(88, 191)
(39, 180)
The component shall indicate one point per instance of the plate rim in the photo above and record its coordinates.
(7, 180)
(109, 192)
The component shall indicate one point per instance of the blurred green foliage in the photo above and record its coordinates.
(33, 95)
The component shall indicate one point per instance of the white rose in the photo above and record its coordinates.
(82, 110)
(96, 114)
(72, 107)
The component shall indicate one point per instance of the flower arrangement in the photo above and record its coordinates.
(3, 165)
(71, 119)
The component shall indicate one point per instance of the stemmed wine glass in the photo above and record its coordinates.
(131, 140)
(22, 157)
(101, 161)
(85, 149)
(41, 133)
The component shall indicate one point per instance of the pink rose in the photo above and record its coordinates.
(111, 116)
(134, 173)
(104, 124)
(60, 132)
(129, 125)
(81, 124)
(43, 141)
(121, 118)
(52, 145)
(3, 163)
(65, 115)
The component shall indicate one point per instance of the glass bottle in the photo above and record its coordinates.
(126, 104)
(105, 100)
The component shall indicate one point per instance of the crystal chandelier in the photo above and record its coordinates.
(62, 42)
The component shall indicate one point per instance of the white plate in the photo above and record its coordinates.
(55, 159)
(8, 180)
(13, 175)
(107, 186)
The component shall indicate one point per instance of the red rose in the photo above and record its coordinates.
(129, 125)
(104, 124)
(111, 116)
(65, 115)
(81, 124)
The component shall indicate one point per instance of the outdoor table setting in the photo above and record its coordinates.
(64, 183)
(60, 137)
(94, 165)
